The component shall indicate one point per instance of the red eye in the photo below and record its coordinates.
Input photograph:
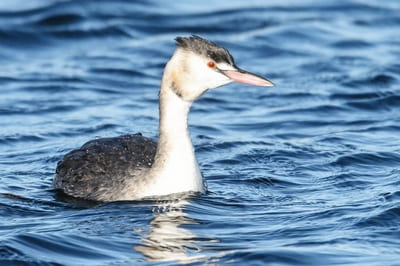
(211, 64)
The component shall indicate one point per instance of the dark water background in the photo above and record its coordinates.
(307, 172)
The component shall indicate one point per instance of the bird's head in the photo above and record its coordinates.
(199, 65)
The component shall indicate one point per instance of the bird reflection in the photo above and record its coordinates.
(167, 240)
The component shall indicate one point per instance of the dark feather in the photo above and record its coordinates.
(104, 163)
(204, 47)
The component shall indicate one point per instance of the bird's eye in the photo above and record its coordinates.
(211, 64)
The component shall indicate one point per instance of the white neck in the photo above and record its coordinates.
(175, 168)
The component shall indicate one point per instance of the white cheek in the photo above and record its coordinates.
(201, 77)
(200, 74)
(219, 80)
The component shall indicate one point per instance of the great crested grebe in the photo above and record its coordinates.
(133, 167)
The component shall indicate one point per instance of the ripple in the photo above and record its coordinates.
(17, 39)
(325, 109)
(350, 181)
(119, 72)
(82, 34)
(388, 218)
(368, 159)
(352, 44)
(60, 19)
(20, 138)
(395, 196)
(356, 96)
(24, 110)
(37, 245)
(383, 103)
(376, 80)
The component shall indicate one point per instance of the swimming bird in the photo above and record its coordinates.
(132, 167)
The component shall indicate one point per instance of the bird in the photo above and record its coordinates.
(134, 167)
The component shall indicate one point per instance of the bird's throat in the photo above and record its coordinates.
(175, 167)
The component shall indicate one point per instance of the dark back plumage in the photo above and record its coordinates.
(206, 48)
(100, 169)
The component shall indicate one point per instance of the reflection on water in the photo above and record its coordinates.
(167, 240)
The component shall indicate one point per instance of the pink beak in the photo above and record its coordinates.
(247, 78)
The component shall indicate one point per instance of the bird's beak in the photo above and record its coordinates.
(245, 77)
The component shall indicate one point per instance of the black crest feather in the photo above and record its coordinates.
(204, 47)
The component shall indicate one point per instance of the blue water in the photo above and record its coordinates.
(306, 172)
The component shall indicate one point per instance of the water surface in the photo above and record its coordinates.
(307, 172)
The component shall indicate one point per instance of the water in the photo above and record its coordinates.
(307, 172)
